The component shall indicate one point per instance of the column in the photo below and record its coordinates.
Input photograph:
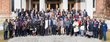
(29, 4)
(35, 5)
(17, 4)
(56, 5)
(61, 4)
(20, 4)
(49, 6)
(89, 7)
(76, 6)
(24, 4)
(70, 6)
(42, 5)
(65, 4)
(82, 4)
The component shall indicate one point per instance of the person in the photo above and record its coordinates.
(5, 28)
(63, 12)
(67, 23)
(95, 28)
(10, 26)
(76, 29)
(82, 29)
(54, 26)
(104, 30)
(89, 32)
(46, 26)
(42, 31)
(62, 25)
(17, 27)
(58, 27)
(85, 13)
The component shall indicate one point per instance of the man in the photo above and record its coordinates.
(104, 30)
(54, 26)
(17, 27)
(85, 13)
(67, 23)
(63, 12)
(89, 32)
(10, 26)
(46, 26)
(95, 28)
(5, 28)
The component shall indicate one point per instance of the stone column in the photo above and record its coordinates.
(61, 4)
(24, 4)
(70, 6)
(29, 4)
(56, 6)
(82, 4)
(42, 5)
(35, 5)
(76, 6)
(17, 4)
(65, 4)
(89, 7)
(48, 5)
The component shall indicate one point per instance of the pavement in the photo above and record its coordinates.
(53, 38)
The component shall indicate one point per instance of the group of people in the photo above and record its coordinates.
(54, 22)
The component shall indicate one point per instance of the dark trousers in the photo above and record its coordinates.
(54, 29)
(24, 33)
(59, 31)
(76, 33)
(71, 31)
(46, 31)
(5, 35)
(16, 31)
(42, 31)
(10, 33)
(19, 32)
(67, 30)
(95, 34)
(28, 32)
(103, 35)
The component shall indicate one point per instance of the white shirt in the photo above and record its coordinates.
(46, 24)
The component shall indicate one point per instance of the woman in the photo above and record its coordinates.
(58, 27)
(76, 29)
(82, 28)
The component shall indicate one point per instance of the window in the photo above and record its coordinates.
(12, 5)
(94, 3)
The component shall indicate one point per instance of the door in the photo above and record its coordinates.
(52, 6)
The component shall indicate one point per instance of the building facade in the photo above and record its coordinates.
(5, 8)
(8, 6)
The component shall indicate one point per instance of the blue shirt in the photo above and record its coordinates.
(104, 27)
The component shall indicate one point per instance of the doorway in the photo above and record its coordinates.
(52, 6)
